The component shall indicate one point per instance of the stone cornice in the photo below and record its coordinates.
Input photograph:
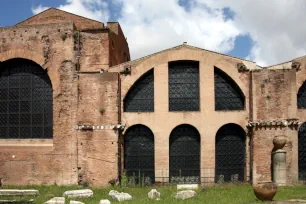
(271, 123)
(99, 127)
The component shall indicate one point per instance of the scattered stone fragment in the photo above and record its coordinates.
(56, 200)
(76, 202)
(105, 201)
(17, 192)
(119, 196)
(85, 193)
(182, 195)
(154, 194)
(187, 186)
(17, 201)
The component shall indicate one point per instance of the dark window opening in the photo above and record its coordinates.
(184, 86)
(302, 152)
(301, 97)
(230, 154)
(25, 101)
(139, 154)
(184, 155)
(140, 97)
(228, 96)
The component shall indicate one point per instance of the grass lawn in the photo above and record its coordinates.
(215, 194)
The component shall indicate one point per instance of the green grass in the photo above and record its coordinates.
(213, 195)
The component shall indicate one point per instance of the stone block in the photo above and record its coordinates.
(17, 192)
(119, 196)
(85, 193)
(182, 195)
(105, 201)
(56, 200)
(187, 186)
(154, 194)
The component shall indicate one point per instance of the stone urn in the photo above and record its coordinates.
(265, 191)
(279, 141)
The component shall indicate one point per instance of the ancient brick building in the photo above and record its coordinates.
(74, 108)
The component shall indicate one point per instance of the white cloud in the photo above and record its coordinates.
(275, 26)
(39, 9)
(93, 9)
(154, 25)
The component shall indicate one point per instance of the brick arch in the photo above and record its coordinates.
(23, 53)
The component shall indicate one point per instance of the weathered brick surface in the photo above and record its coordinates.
(77, 98)
(273, 98)
(53, 15)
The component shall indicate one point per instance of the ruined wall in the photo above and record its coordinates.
(53, 15)
(44, 161)
(274, 99)
(98, 148)
(118, 47)
(94, 50)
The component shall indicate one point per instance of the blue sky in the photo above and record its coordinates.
(244, 29)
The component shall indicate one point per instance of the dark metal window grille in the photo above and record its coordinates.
(185, 155)
(141, 96)
(25, 101)
(228, 95)
(302, 152)
(301, 97)
(230, 153)
(184, 86)
(139, 153)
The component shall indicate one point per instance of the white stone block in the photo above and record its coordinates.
(56, 200)
(105, 201)
(187, 186)
(182, 195)
(85, 193)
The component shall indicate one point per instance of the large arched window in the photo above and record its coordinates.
(25, 100)
(185, 154)
(228, 95)
(230, 153)
(140, 97)
(301, 96)
(139, 153)
(184, 89)
(302, 152)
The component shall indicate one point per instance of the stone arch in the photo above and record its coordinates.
(230, 151)
(228, 95)
(23, 53)
(184, 154)
(139, 153)
(26, 100)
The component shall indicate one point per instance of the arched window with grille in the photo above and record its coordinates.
(140, 97)
(301, 97)
(302, 152)
(25, 101)
(184, 91)
(139, 154)
(230, 154)
(228, 95)
(184, 154)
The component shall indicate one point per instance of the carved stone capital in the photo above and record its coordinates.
(296, 65)
(242, 68)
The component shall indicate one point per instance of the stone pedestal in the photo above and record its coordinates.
(279, 167)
